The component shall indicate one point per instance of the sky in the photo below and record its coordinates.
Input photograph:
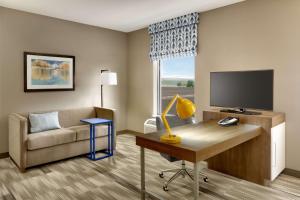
(183, 67)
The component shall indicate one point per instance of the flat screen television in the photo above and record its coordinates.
(242, 89)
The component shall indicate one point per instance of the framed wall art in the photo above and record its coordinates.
(48, 72)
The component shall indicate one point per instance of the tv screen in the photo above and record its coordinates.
(243, 89)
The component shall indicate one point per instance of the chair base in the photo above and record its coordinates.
(183, 171)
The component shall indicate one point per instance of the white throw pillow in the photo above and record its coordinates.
(43, 122)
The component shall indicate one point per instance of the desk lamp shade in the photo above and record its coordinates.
(184, 109)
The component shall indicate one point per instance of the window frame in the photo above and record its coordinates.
(158, 100)
(157, 81)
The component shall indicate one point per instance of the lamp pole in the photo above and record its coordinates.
(102, 70)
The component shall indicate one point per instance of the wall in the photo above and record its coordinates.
(140, 80)
(250, 35)
(3, 136)
(255, 35)
(94, 48)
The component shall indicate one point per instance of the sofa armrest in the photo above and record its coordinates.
(108, 114)
(18, 130)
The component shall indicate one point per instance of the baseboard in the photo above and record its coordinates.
(129, 132)
(4, 155)
(291, 172)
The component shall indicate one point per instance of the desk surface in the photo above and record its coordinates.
(200, 141)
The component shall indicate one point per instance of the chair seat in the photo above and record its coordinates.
(169, 158)
(50, 138)
(83, 131)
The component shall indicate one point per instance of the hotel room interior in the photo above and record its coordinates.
(149, 99)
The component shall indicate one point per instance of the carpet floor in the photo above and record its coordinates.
(118, 178)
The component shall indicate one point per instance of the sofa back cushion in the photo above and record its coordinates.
(71, 117)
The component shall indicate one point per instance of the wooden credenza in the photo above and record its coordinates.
(264, 155)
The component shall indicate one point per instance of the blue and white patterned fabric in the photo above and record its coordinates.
(43, 122)
(174, 37)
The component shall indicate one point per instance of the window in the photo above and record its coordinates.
(175, 76)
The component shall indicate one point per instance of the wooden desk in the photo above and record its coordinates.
(199, 142)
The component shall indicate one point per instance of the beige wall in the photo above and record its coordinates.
(256, 34)
(140, 80)
(93, 48)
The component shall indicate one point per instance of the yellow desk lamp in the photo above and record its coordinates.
(185, 109)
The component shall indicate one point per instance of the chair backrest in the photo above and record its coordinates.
(173, 121)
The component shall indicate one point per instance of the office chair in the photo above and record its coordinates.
(183, 171)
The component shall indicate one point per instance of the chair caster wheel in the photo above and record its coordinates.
(161, 175)
(205, 179)
(165, 188)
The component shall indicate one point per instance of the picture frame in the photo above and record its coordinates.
(48, 72)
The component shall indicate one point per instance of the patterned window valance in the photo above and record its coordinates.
(174, 37)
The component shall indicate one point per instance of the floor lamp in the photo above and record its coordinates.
(107, 78)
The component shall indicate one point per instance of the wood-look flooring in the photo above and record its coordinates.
(119, 178)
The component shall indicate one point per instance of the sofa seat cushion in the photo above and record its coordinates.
(50, 138)
(83, 131)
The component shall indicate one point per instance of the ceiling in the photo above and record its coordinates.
(120, 15)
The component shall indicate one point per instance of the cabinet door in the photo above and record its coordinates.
(277, 150)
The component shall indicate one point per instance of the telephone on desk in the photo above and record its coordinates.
(229, 121)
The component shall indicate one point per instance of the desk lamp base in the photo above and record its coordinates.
(171, 139)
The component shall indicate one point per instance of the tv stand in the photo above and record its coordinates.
(267, 150)
(241, 111)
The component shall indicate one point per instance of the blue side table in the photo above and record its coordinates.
(93, 122)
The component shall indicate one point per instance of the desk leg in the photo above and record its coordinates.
(143, 189)
(196, 180)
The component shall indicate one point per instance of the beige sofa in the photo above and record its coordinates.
(28, 150)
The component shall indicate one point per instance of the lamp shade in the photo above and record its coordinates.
(185, 108)
(108, 78)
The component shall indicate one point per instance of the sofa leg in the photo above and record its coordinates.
(21, 169)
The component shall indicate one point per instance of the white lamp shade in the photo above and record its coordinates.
(108, 78)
